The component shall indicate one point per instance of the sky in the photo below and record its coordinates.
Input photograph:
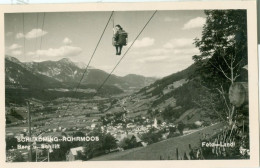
(164, 47)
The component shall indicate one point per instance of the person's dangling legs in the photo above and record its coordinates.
(120, 49)
(117, 49)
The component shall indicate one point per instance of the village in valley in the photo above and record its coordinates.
(123, 118)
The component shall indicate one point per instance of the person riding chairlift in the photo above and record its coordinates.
(119, 39)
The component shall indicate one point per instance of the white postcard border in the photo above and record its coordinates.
(253, 79)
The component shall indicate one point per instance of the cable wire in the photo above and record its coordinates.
(94, 50)
(42, 30)
(90, 60)
(36, 39)
(126, 51)
(23, 40)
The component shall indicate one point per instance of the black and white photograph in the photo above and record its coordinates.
(128, 85)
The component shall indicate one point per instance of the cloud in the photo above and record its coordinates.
(153, 59)
(145, 42)
(14, 46)
(34, 33)
(16, 52)
(180, 48)
(179, 43)
(152, 52)
(169, 19)
(31, 53)
(63, 51)
(67, 41)
(19, 35)
(175, 51)
(186, 51)
(194, 23)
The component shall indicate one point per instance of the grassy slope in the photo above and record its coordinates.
(166, 149)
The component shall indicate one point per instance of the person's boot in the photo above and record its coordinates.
(116, 50)
(120, 49)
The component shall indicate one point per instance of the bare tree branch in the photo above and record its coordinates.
(237, 75)
(222, 94)
(224, 73)
(214, 66)
(225, 59)
(232, 113)
(225, 98)
(239, 63)
(221, 70)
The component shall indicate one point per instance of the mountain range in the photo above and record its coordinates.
(65, 73)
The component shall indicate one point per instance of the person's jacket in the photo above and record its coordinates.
(120, 37)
